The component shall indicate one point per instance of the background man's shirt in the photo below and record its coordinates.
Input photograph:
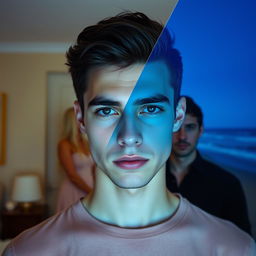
(214, 190)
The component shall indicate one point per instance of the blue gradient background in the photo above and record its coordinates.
(217, 40)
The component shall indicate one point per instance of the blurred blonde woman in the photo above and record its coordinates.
(76, 161)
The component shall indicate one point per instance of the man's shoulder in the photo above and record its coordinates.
(201, 233)
(218, 232)
(213, 170)
(54, 231)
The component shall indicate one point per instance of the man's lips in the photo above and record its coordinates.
(182, 146)
(130, 162)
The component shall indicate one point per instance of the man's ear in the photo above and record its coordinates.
(201, 130)
(180, 114)
(79, 117)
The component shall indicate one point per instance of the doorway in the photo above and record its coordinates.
(60, 96)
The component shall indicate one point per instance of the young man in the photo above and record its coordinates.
(128, 115)
(201, 182)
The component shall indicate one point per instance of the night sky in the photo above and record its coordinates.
(217, 40)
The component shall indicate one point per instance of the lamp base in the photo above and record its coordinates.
(25, 206)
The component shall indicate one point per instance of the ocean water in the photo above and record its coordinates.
(231, 148)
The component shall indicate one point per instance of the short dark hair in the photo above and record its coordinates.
(122, 40)
(194, 110)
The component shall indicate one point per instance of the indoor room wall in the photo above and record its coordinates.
(24, 80)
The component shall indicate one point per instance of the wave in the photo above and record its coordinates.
(240, 153)
(236, 142)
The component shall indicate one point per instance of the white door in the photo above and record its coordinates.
(60, 96)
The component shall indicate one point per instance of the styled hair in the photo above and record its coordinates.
(121, 41)
(70, 130)
(194, 110)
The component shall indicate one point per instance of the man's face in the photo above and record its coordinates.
(130, 128)
(186, 138)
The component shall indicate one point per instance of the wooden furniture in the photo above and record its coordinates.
(17, 220)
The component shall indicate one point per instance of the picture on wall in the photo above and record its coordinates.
(3, 109)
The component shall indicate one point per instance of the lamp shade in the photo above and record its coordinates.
(26, 188)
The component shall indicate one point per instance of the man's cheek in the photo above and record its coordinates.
(99, 138)
(162, 134)
(175, 137)
(163, 141)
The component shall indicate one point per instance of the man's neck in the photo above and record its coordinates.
(131, 208)
(180, 165)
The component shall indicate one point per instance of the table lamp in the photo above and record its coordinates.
(26, 190)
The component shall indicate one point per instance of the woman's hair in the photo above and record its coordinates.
(70, 130)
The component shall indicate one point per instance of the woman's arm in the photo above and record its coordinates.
(65, 158)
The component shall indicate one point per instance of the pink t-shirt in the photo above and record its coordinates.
(69, 192)
(189, 232)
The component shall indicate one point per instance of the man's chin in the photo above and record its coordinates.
(182, 153)
(131, 182)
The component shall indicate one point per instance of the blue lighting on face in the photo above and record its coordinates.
(142, 125)
(149, 105)
(130, 119)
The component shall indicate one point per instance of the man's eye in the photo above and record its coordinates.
(104, 112)
(151, 109)
(190, 127)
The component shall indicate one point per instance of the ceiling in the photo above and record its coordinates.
(52, 25)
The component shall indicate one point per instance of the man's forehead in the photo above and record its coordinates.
(189, 119)
(113, 73)
(112, 77)
(115, 82)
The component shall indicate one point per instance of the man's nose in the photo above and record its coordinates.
(182, 133)
(128, 132)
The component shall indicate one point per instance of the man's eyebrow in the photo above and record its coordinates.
(191, 124)
(99, 100)
(154, 99)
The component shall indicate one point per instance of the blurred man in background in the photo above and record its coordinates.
(203, 183)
